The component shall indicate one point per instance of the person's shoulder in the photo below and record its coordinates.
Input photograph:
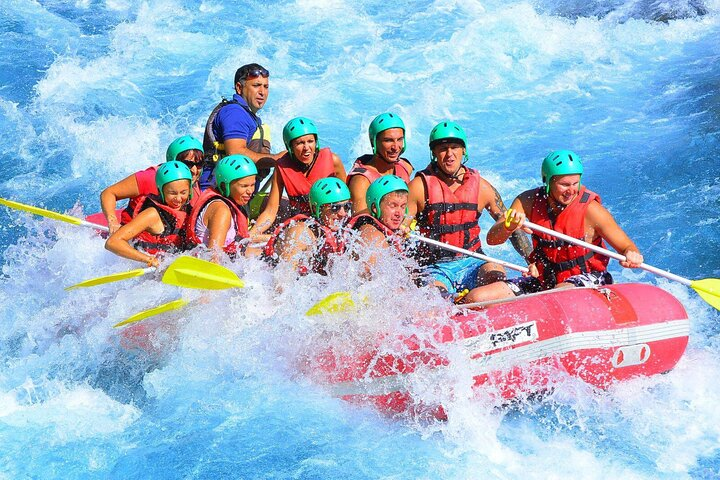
(358, 181)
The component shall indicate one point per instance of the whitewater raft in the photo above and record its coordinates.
(600, 335)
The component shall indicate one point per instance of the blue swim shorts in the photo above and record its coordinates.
(456, 275)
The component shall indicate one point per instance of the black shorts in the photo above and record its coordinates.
(523, 285)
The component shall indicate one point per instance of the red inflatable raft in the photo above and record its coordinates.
(516, 348)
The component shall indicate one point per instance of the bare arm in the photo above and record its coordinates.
(268, 216)
(496, 207)
(238, 146)
(358, 188)
(339, 168)
(119, 242)
(599, 222)
(125, 188)
(295, 243)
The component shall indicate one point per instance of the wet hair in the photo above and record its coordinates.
(192, 155)
(242, 72)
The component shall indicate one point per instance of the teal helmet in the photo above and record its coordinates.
(448, 132)
(560, 162)
(327, 190)
(169, 172)
(179, 145)
(384, 121)
(231, 168)
(296, 128)
(381, 187)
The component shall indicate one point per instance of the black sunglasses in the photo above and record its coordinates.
(336, 207)
(190, 164)
(255, 72)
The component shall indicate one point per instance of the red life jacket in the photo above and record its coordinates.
(298, 182)
(393, 239)
(239, 218)
(556, 259)
(359, 168)
(449, 217)
(328, 243)
(134, 204)
(172, 238)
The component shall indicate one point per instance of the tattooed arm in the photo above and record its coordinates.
(519, 239)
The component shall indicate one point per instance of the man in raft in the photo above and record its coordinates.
(160, 223)
(448, 198)
(296, 171)
(136, 187)
(387, 199)
(234, 127)
(219, 219)
(564, 205)
(387, 138)
(307, 243)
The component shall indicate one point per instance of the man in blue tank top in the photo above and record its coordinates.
(234, 126)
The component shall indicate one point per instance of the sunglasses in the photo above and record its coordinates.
(190, 164)
(256, 72)
(336, 207)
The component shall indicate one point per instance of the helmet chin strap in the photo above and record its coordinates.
(456, 175)
(308, 167)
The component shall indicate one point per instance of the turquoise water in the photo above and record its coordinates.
(91, 91)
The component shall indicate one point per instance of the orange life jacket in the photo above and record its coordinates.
(449, 217)
(329, 242)
(557, 259)
(393, 239)
(173, 238)
(298, 181)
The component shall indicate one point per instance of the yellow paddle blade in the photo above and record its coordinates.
(709, 290)
(191, 272)
(109, 278)
(166, 307)
(333, 303)
(41, 211)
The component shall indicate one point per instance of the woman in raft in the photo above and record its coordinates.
(219, 218)
(160, 223)
(304, 164)
(136, 187)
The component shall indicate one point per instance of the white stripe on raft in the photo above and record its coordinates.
(484, 362)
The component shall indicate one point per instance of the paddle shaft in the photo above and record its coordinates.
(53, 215)
(97, 226)
(469, 253)
(606, 252)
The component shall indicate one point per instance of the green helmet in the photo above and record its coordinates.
(560, 162)
(447, 132)
(179, 145)
(381, 187)
(169, 172)
(384, 121)
(296, 128)
(327, 190)
(231, 168)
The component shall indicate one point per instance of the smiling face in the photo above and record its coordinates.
(242, 189)
(564, 188)
(449, 156)
(193, 159)
(389, 144)
(176, 193)
(392, 209)
(255, 91)
(303, 148)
